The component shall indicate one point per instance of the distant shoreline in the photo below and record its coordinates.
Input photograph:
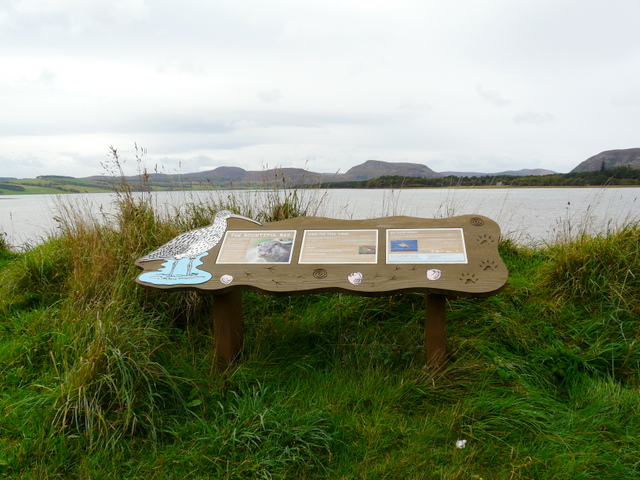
(5, 195)
(613, 177)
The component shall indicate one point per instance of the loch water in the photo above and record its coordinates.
(527, 215)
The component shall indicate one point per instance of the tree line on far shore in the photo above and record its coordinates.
(603, 177)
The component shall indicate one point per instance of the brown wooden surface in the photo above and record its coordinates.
(485, 273)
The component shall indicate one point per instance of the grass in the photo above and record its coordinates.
(102, 379)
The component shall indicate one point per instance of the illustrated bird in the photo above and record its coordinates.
(195, 242)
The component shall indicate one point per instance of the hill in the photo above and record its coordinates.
(629, 157)
(228, 177)
(238, 177)
(376, 168)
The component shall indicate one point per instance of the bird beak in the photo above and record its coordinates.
(233, 215)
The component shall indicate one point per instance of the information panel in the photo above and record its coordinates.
(339, 246)
(252, 246)
(426, 245)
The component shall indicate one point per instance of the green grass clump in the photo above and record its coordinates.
(102, 379)
(602, 268)
(36, 277)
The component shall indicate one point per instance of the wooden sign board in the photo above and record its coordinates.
(455, 256)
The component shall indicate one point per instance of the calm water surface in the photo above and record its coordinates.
(528, 215)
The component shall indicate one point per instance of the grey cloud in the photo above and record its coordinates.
(411, 104)
(534, 117)
(492, 96)
(627, 101)
(270, 96)
(22, 165)
(80, 15)
(136, 29)
(47, 77)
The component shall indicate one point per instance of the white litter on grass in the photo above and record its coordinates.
(461, 443)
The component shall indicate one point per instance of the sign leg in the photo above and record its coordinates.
(435, 335)
(227, 328)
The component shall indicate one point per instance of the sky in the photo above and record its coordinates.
(457, 85)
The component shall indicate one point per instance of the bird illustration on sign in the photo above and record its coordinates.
(183, 254)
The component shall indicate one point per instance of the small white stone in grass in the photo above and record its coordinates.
(461, 443)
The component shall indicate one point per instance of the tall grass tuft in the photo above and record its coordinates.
(596, 283)
(115, 384)
(600, 267)
(5, 247)
(37, 277)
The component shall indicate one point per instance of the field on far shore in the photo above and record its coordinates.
(52, 185)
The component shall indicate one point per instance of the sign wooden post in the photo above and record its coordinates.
(228, 328)
(440, 258)
(435, 329)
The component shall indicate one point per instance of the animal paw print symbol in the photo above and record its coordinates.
(484, 239)
(468, 278)
(488, 265)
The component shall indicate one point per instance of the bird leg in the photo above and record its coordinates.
(191, 259)
(173, 267)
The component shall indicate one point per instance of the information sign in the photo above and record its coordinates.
(426, 245)
(339, 246)
(253, 246)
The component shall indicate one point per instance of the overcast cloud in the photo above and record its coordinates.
(465, 85)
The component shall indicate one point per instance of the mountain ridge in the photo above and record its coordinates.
(365, 171)
(628, 157)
